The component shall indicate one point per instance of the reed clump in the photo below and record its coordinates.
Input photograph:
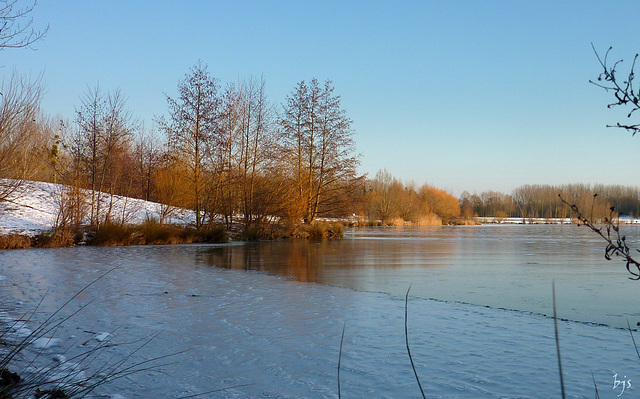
(153, 233)
(15, 241)
(322, 230)
(54, 239)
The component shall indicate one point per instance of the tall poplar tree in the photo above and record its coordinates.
(319, 141)
(192, 129)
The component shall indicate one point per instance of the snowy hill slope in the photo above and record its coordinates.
(34, 207)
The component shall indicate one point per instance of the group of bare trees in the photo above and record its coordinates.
(224, 151)
(319, 149)
(391, 201)
(101, 150)
(242, 158)
(21, 131)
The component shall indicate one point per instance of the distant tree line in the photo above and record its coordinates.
(542, 201)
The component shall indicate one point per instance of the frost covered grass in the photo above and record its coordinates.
(29, 218)
(35, 208)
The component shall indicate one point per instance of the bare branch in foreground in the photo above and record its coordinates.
(610, 232)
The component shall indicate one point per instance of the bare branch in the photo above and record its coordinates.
(623, 91)
(17, 29)
(610, 232)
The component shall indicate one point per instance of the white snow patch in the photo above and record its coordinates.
(15, 328)
(102, 336)
(45, 342)
(34, 206)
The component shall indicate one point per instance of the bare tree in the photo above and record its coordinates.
(173, 188)
(610, 232)
(89, 119)
(384, 204)
(192, 128)
(21, 97)
(148, 155)
(106, 127)
(19, 111)
(16, 25)
(225, 156)
(319, 139)
(258, 158)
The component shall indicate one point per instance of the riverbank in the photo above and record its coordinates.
(28, 219)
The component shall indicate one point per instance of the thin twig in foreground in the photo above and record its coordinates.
(340, 358)
(633, 339)
(406, 338)
(555, 325)
(595, 385)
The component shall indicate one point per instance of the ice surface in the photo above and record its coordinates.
(273, 337)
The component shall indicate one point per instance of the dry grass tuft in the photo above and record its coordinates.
(15, 241)
(322, 230)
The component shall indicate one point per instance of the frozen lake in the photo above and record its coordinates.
(478, 323)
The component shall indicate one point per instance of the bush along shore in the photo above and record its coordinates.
(153, 233)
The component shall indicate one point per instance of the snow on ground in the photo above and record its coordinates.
(34, 206)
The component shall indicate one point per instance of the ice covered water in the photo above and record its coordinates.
(500, 266)
(477, 324)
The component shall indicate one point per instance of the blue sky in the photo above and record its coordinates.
(463, 95)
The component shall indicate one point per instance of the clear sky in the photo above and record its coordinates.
(464, 95)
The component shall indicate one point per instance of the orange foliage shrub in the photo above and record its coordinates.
(438, 201)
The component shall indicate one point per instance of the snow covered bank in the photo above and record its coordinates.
(34, 207)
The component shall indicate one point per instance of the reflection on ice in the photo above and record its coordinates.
(271, 336)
